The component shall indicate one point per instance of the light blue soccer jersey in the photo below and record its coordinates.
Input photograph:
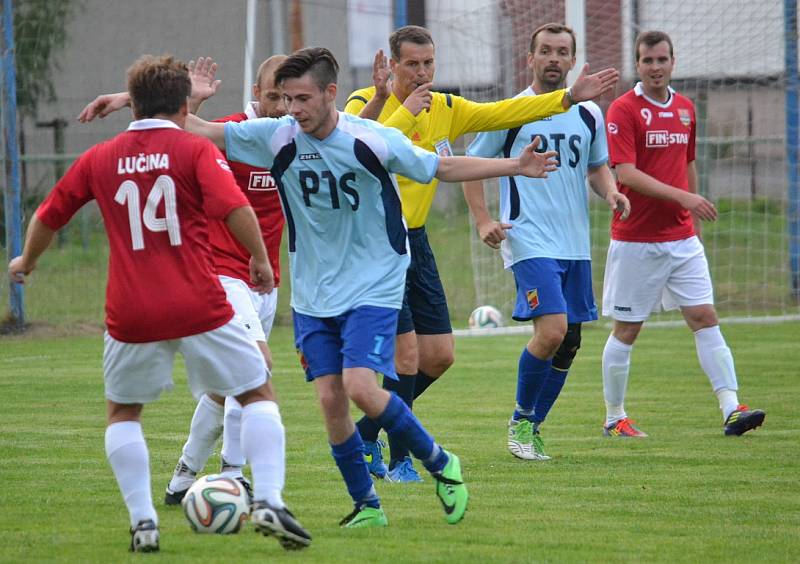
(550, 215)
(347, 236)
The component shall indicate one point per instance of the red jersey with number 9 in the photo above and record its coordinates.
(659, 139)
(156, 186)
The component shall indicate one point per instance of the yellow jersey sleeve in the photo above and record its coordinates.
(469, 116)
(358, 99)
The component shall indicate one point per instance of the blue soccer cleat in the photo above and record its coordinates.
(374, 458)
(404, 471)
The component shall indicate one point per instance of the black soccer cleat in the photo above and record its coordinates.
(743, 419)
(174, 497)
(280, 523)
(245, 483)
(144, 537)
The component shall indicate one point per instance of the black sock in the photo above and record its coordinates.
(422, 383)
(404, 388)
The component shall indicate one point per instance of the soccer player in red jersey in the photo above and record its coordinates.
(231, 259)
(156, 187)
(655, 257)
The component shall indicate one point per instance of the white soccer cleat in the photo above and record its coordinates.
(524, 442)
(144, 537)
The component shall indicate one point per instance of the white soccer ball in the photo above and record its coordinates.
(485, 317)
(216, 504)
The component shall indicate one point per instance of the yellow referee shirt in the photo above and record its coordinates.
(450, 117)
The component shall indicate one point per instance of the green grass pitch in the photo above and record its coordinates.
(687, 493)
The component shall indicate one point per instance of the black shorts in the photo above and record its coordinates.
(424, 304)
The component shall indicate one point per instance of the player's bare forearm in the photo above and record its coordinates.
(691, 174)
(476, 201)
(104, 105)
(37, 240)
(643, 183)
(603, 184)
(213, 131)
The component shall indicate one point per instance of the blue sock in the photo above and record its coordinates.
(549, 394)
(530, 378)
(404, 388)
(400, 423)
(349, 457)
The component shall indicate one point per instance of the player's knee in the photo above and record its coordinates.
(548, 341)
(330, 401)
(406, 360)
(701, 317)
(568, 348)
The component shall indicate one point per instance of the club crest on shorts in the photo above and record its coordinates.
(303, 361)
(533, 298)
(685, 117)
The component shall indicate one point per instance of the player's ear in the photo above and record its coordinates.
(331, 91)
(530, 60)
(256, 92)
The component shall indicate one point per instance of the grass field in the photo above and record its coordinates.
(687, 493)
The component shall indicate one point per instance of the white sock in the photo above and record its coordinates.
(232, 433)
(717, 362)
(264, 445)
(728, 402)
(203, 434)
(616, 366)
(127, 453)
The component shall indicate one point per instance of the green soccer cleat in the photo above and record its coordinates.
(524, 441)
(451, 490)
(363, 517)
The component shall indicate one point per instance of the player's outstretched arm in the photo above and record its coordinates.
(490, 231)
(104, 105)
(203, 74)
(635, 179)
(37, 240)
(529, 163)
(602, 182)
(243, 224)
(589, 86)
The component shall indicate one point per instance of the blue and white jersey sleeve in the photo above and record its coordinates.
(406, 159)
(598, 150)
(250, 141)
(488, 144)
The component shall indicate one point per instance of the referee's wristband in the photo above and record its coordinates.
(568, 96)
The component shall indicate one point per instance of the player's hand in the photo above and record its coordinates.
(699, 206)
(493, 232)
(103, 105)
(536, 165)
(420, 99)
(202, 73)
(619, 202)
(261, 276)
(18, 269)
(380, 75)
(589, 86)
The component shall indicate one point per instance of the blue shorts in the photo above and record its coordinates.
(424, 304)
(547, 286)
(360, 338)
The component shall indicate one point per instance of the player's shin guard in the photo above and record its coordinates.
(716, 360)
(264, 444)
(349, 457)
(401, 424)
(206, 428)
(127, 453)
(232, 452)
(531, 375)
(616, 366)
(555, 380)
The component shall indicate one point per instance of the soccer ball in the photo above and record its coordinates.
(216, 504)
(485, 317)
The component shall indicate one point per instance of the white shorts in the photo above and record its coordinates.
(640, 277)
(224, 361)
(256, 311)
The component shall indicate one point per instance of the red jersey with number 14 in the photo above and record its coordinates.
(258, 186)
(156, 186)
(659, 139)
